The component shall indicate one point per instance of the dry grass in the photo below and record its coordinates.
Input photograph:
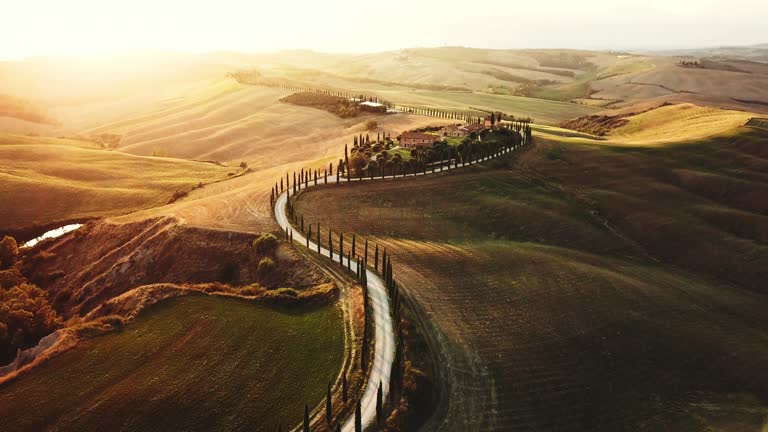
(44, 180)
(676, 123)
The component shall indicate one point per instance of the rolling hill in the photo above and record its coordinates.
(48, 180)
(563, 282)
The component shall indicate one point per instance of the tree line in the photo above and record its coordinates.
(470, 116)
(370, 256)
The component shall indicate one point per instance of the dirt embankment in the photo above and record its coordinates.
(103, 260)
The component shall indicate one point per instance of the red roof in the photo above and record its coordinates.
(418, 135)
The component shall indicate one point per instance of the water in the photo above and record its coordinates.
(52, 234)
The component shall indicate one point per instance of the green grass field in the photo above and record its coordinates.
(190, 363)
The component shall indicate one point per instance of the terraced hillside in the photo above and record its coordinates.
(563, 282)
(191, 363)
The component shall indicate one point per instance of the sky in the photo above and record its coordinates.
(98, 27)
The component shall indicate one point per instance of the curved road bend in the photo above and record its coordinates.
(384, 335)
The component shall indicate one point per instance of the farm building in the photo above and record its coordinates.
(417, 139)
(473, 127)
(454, 130)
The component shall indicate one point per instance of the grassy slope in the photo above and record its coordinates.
(53, 179)
(576, 327)
(192, 363)
(682, 122)
(658, 127)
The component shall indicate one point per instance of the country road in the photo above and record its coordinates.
(384, 333)
(384, 336)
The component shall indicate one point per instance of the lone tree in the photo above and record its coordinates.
(344, 388)
(9, 250)
(328, 406)
(379, 410)
(358, 419)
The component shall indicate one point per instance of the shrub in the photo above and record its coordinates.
(9, 250)
(266, 243)
(266, 266)
(10, 278)
(371, 125)
(25, 317)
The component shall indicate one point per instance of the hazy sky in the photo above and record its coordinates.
(77, 27)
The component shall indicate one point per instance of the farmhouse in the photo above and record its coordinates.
(417, 139)
(473, 127)
(454, 130)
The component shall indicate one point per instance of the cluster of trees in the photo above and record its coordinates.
(374, 158)
(342, 107)
(690, 63)
(26, 314)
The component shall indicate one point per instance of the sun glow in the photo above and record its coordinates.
(92, 27)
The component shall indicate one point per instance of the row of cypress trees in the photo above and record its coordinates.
(382, 264)
(467, 116)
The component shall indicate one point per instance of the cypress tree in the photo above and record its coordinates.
(279, 427)
(330, 245)
(318, 237)
(302, 223)
(358, 419)
(353, 245)
(344, 388)
(328, 406)
(376, 258)
(341, 249)
(379, 401)
(306, 418)
(349, 261)
(365, 254)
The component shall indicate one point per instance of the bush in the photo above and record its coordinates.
(10, 278)
(371, 125)
(266, 243)
(9, 250)
(25, 317)
(266, 266)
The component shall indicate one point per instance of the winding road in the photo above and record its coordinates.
(384, 332)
